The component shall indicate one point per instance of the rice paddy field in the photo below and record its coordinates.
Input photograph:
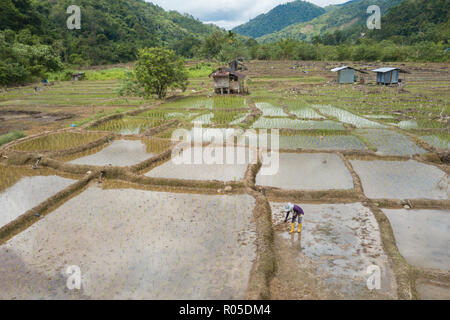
(183, 198)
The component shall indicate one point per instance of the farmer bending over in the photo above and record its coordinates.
(297, 213)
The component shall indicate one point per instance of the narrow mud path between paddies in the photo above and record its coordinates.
(214, 238)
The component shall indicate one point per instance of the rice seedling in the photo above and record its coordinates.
(58, 141)
(129, 125)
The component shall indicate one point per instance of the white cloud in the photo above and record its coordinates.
(228, 13)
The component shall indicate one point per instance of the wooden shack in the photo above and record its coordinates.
(227, 81)
(77, 76)
(346, 74)
(237, 65)
(389, 76)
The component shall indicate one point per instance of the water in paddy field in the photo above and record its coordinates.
(27, 193)
(134, 244)
(378, 116)
(389, 142)
(128, 125)
(306, 113)
(436, 142)
(422, 236)
(338, 243)
(118, 153)
(308, 172)
(287, 123)
(183, 166)
(432, 290)
(402, 180)
(348, 117)
(408, 124)
(316, 142)
(204, 119)
(270, 110)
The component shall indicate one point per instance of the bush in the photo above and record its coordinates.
(11, 136)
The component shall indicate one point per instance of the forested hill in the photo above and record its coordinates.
(338, 17)
(279, 18)
(415, 21)
(111, 30)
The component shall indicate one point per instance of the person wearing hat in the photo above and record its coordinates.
(297, 214)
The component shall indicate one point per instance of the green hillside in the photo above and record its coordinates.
(34, 36)
(415, 21)
(338, 17)
(279, 18)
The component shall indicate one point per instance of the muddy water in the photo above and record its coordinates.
(339, 242)
(433, 291)
(348, 117)
(308, 172)
(27, 193)
(422, 236)
(118, 153)
(132, 244)
(402, 180)
(287, 123)
(390, 143)
(184, 165)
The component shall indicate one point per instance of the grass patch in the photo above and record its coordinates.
(11, 136)
(200, 70)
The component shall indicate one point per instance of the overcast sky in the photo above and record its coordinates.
(228, 13)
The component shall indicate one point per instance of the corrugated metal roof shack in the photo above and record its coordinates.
(346, 74)
(388, 76)
(228, 81)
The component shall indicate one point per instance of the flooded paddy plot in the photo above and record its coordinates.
(318, 142)
(203, 119)
(308, 172)
(119, 153)
(402, 180)
(390, 142)
(432, 290)
(338, 243)
(269, 110)
(348, 117)
(287, 123)
(302, 110)
(184, 166)
(128, 125)
(436, 141)
(133, 244)
(27, 193)
(422, 236)
(58, 141)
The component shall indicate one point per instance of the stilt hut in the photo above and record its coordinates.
(227, 81)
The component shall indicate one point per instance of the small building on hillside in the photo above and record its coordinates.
(346, 74)
(227, 81)
(388, 76)
(237, 65)
(77, 76)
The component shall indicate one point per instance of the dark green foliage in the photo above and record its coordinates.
(35, 39)
(279, 18)
(414, 21)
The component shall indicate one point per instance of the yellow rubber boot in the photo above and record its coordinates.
(292, 227)
(299, 228)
